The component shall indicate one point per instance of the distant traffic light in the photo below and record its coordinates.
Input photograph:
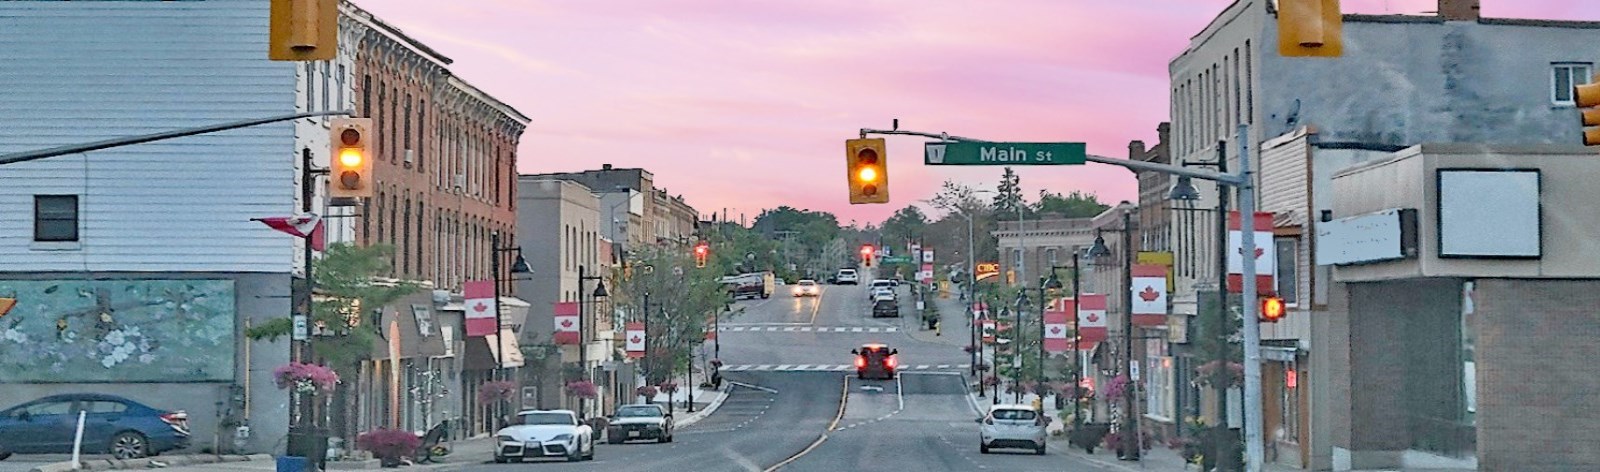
(351, 175)
(303, 30)
(1587, 98)
(1310, 28)
(1272, 309)
(867, 167)
(701, 250)
(866, 255)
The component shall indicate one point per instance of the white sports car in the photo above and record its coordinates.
(545, 433)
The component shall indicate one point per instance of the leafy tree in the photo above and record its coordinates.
(1076, 204)
(906, 224)
(348, 283)
(682, 300)
(1008, 201)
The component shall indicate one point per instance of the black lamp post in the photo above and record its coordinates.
(518, 266)
(1184, 191)
(583, 328)
(1130, 417)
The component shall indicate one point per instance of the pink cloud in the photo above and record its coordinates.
(745, 105)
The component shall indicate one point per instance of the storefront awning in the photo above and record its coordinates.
(505, 341)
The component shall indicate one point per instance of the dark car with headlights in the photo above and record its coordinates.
(640, 422)
(113, 425)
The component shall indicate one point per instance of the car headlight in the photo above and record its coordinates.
(506, 438)
(562, 438)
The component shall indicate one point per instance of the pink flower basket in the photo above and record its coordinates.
(583, 389)
(305, 378)
(496, 390)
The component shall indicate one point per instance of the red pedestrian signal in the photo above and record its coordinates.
(1272, 309)
(866, 255)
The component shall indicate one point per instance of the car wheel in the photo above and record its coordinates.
(663, 438)
(129, 445)
(4, 455)
(1039, 451)
(983, 449)
(590, 455)
(499, 460)
(576, 455)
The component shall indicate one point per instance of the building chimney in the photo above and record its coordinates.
(1458, 10)
(1163, 130)
(605, 166)
(1136, 150)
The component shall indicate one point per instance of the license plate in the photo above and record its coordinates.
(532, 445)
(633, 434)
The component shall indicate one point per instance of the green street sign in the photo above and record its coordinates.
(897, 259)
(969, 153)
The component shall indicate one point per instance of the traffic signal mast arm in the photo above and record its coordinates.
(25, 156)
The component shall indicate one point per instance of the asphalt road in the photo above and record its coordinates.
(783, 415)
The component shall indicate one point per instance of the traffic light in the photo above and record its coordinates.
(867, 167)
(701, 250)
(351, 175)
(866, 255)
(1272, 309)
(303, 30)
(1587, 98)
(1310, 28)
(6, 303)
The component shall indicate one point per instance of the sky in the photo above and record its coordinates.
(744, 105)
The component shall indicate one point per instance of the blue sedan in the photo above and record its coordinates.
(113, 425)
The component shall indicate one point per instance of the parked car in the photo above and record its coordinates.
(113, 425)
(1012, 426)
(545, 433)
(644, 421)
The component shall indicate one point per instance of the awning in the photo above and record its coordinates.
(507, 341)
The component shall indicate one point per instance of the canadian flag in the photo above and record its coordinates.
(566, 317)
(305, 225)
(1055, 327)
(1265, 254)
(478, 299)
(634, 339)
(1091, 320)
(1149, 295)
(987, 327)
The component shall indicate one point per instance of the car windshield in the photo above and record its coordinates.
(638, 412)
(807, 283)
(1012, 414)
(544, 418)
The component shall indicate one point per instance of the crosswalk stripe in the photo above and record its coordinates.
(785, 367)
(855, 330)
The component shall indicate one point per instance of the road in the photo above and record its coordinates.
(791, 382)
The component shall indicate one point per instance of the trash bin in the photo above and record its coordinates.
(293, 464)
(311, 444)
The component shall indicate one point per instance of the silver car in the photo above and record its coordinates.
(1013, 426)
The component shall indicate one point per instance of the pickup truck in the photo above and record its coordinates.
(751, 285)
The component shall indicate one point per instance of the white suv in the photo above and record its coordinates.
(847, 276)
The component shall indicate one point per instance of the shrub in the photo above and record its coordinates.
(389, 444)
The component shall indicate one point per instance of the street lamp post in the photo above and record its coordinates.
(583, 328)
(1130, 422)
(1184, 191)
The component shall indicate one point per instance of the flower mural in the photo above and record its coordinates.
(167, 330)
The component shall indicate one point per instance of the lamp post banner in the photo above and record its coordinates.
(1055, 332)
(1092, 321)
(635, 339)
(566, 318)
(1149, 295)
(1266, 255)
(478, 299)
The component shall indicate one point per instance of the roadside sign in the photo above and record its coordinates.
(896, 259)
(970, 153)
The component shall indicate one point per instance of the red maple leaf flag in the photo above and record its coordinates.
(566, 319)
(1149, 295)
(305, 225)
(478, 301)
(1091, 320)
(635, 339)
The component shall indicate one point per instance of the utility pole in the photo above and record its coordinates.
(1254, 452)
(1130, 413)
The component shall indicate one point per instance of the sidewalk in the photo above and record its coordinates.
(954, 329)
(463, 453)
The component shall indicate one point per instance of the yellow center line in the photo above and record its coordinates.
(816, 305)
(844, 394)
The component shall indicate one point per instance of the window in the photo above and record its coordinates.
(1564, 76)
(1288, 278)
(338, 77)
(422, 123)
(1160, 388)
(55, 218)
(1050, 255)
(407, 135)
(366, 95)
(309, 96)
(106, 407)
(327, 76)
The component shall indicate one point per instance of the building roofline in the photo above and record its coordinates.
(367, 18)
(479, 94)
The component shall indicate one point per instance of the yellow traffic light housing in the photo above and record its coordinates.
(867, 169)
(1587, 98)
(351, 163)
(1272, 309)
(303, 30)
(1310, 28)
(6, 303)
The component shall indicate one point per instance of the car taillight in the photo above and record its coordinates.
(891, 361)
(861, 362)
(178, 420)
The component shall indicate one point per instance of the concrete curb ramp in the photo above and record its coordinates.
(144, 463)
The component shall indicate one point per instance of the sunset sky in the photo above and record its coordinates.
(745, 105)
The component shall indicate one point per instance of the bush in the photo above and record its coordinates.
(389, 444)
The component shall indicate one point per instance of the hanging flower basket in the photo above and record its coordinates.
(583, 389)
(648, 392)
(305, 378)
(1117, 387)
(668, 387)
(496, 391)
(969, 348)
(991, 381)
(716, 363)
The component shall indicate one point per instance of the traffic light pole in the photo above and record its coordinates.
(25, 156)
(1244, 182)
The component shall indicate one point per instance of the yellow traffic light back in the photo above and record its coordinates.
(1310, 28)
(867, 169)
(1587, 98)
(303, 30)
(351, 167)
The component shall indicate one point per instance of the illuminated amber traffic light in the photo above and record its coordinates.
(701, 250)
(1272, 309)
(351, 170)
(867, 167)
(303, 30)
(1587, 98)
(1310, 28)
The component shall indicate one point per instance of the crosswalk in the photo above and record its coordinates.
(813, 329)
(829, 367)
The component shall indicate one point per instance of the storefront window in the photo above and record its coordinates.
(1159, 386)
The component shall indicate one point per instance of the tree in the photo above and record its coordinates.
(906, 224)
(682, 300)
(1076, 204)
(1008, 201)
(348, 283)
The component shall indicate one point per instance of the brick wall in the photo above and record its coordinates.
(1538, 388)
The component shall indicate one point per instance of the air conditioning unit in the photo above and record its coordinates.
(461, 182)
(410, 157)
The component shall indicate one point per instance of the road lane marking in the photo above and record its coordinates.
(757, 387)
(844, 395)
(811, 329)
(786, 367)
(816, 304)
(855, 330)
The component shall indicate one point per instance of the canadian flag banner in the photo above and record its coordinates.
(478, 298)
(566, 317)
(1266, 254)
(711, 334)
(980, 310)
(1055, 332)
(634, 336)
(1149, 295)
(988, 329)
(1091, 320)
(305, 225)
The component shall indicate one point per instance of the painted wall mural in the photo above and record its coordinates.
(118, 331)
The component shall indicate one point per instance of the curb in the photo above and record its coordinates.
(145, 463)
(704, 412)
